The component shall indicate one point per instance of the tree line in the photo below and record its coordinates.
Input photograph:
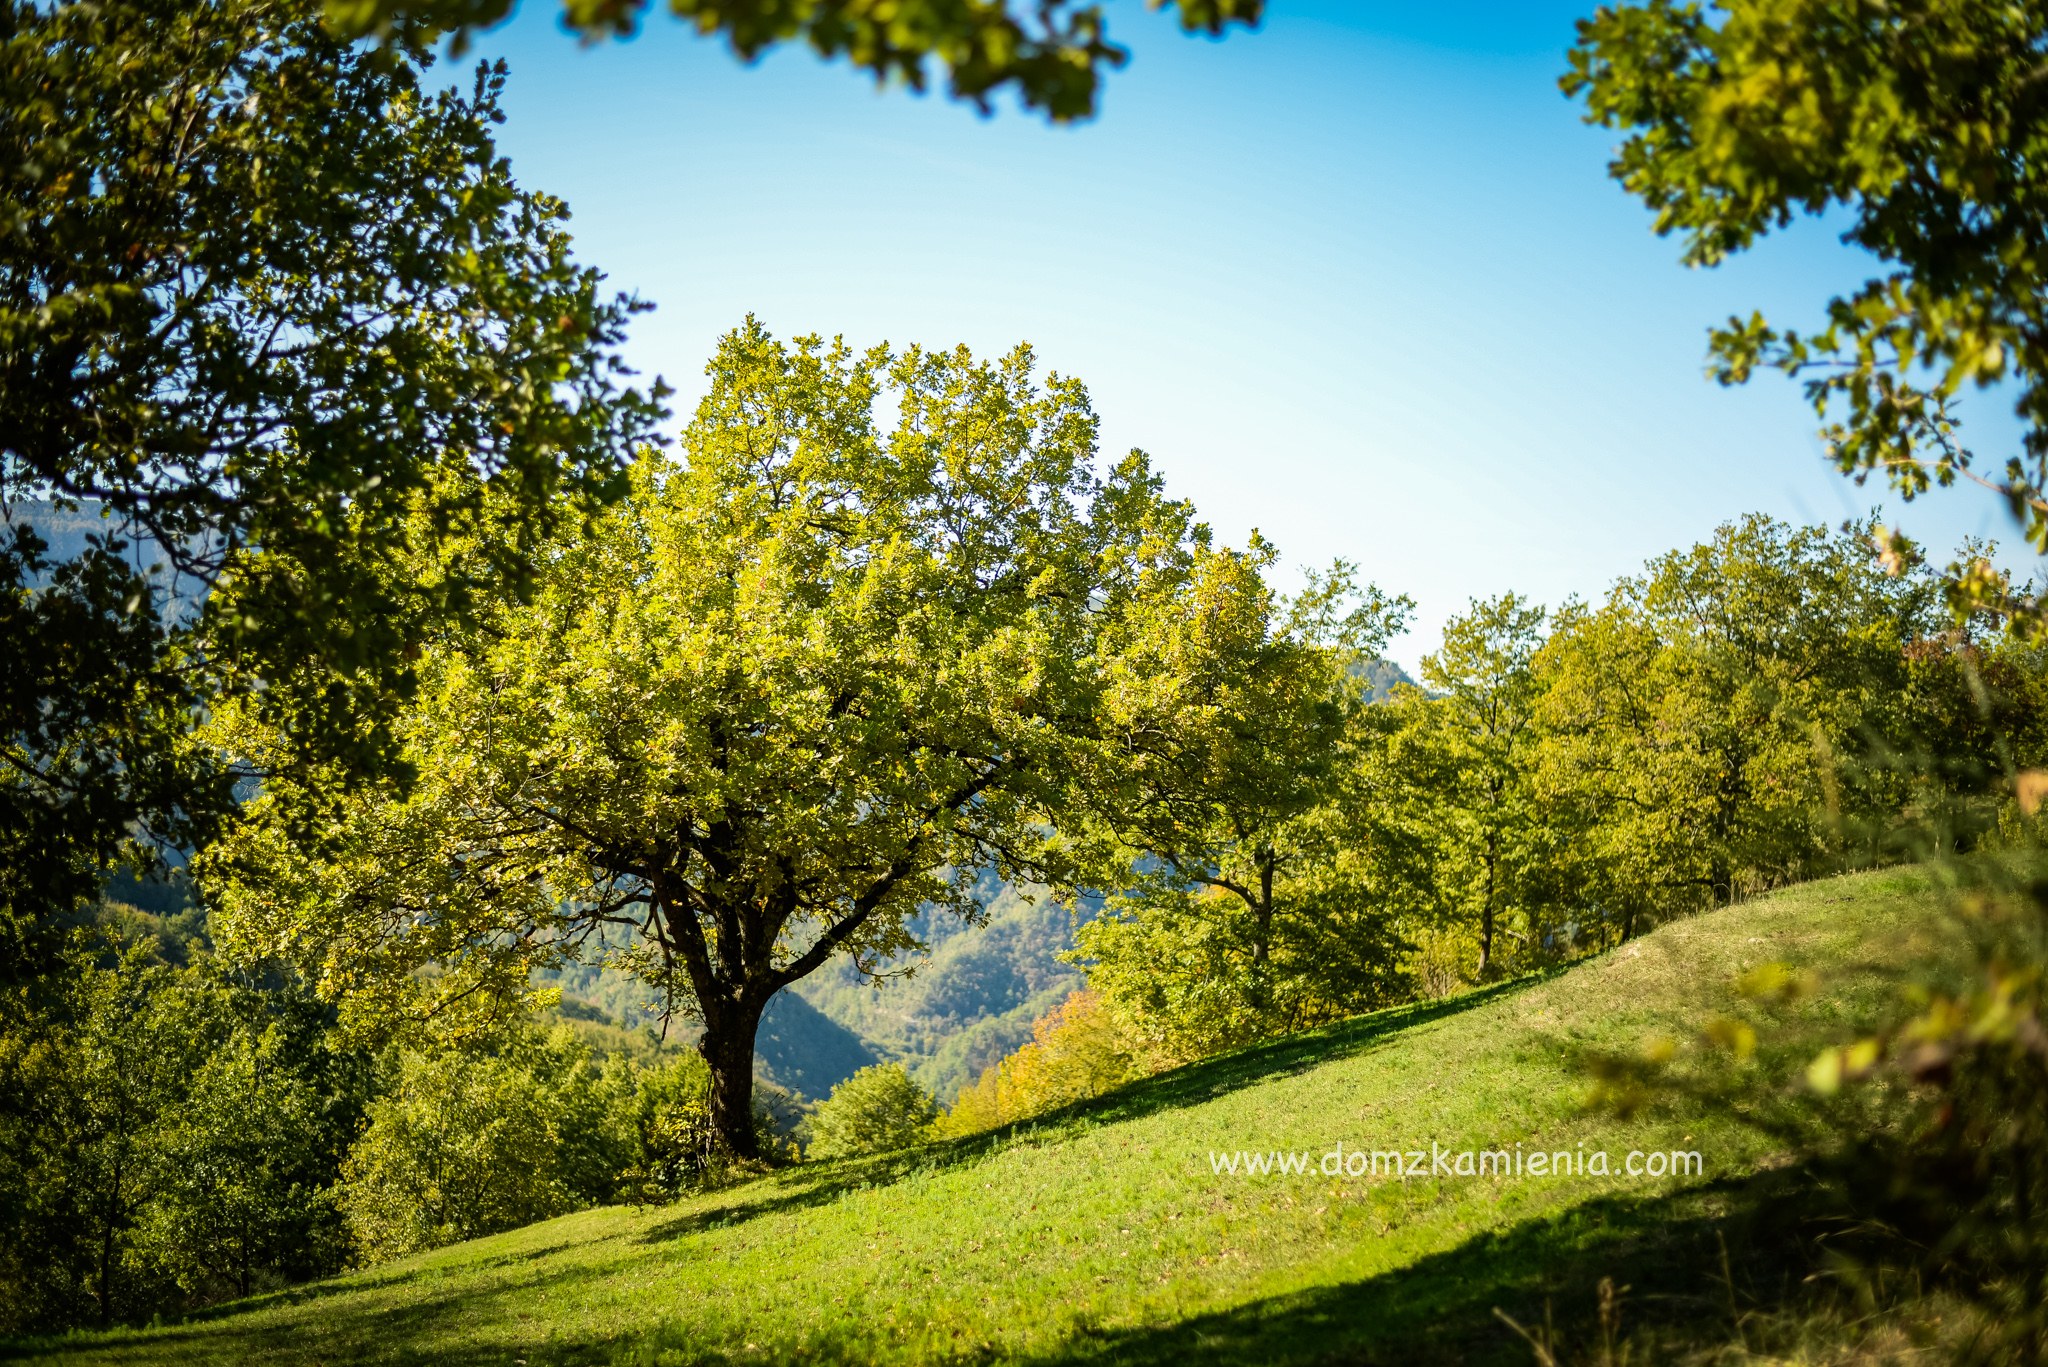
(1771, 705)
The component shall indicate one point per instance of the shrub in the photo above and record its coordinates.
(877, 1109)
(464, 1145)
(671, 1126)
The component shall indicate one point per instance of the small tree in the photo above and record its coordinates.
(877, 1109)
(1235, 903)
(1481, 724)
(671, 1128)
(242, 1198)
(167, 1138)
(1709, 729)
(1077, 1050)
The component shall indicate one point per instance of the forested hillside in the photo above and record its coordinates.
(507, 859)
(945, 1012)
(970, 1001)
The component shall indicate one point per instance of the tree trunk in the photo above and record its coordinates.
(728, 1048)
(1262, 914)
(1262, 935)
(109, 1219)
(1486, 908)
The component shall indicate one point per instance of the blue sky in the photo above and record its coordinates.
(1357, 279)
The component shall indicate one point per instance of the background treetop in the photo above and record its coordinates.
(1052, 52)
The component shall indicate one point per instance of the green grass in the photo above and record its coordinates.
(1102, 1235)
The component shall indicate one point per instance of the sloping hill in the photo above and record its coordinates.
(1108, 1235)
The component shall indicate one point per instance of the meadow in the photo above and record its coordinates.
(1102, 1234)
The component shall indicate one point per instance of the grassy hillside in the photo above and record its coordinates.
(1104, 1235)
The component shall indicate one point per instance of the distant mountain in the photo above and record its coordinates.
(1381, 677)
(66, 534)
(947, 1013)
(63, 532)
(966, 1002)
(802, 1049)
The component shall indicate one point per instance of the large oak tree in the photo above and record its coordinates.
(803, 681)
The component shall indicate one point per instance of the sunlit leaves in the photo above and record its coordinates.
(1925, 123)
(801, 682)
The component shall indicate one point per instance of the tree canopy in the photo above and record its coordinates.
(799, 683)
(271, 309)
(1220, 831)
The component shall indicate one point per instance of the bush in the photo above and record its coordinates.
(1966, 1200)
(670, 1122)
(464, 1145)
(875, 1110)
(168, 1138)
(243, 1201)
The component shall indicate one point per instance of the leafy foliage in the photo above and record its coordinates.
(877, 1109)
(1052, 52)
(1078, 1050)
(1462, 757)
(1726, 722)
(1925, 123)
(463, 1144)
(167, 1136)
(272, 307)
(783, 695)
(1218, 829)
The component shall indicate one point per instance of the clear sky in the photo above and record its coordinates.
(1358, 279)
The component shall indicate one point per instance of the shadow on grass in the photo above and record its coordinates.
(1664, 1253)
(458, 1326)
(383, 1278)
(1213, 1077)
(820, 1184)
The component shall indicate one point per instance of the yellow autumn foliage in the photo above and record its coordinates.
(1077, 1050)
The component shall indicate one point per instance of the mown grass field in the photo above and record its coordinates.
(1103, 1235)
